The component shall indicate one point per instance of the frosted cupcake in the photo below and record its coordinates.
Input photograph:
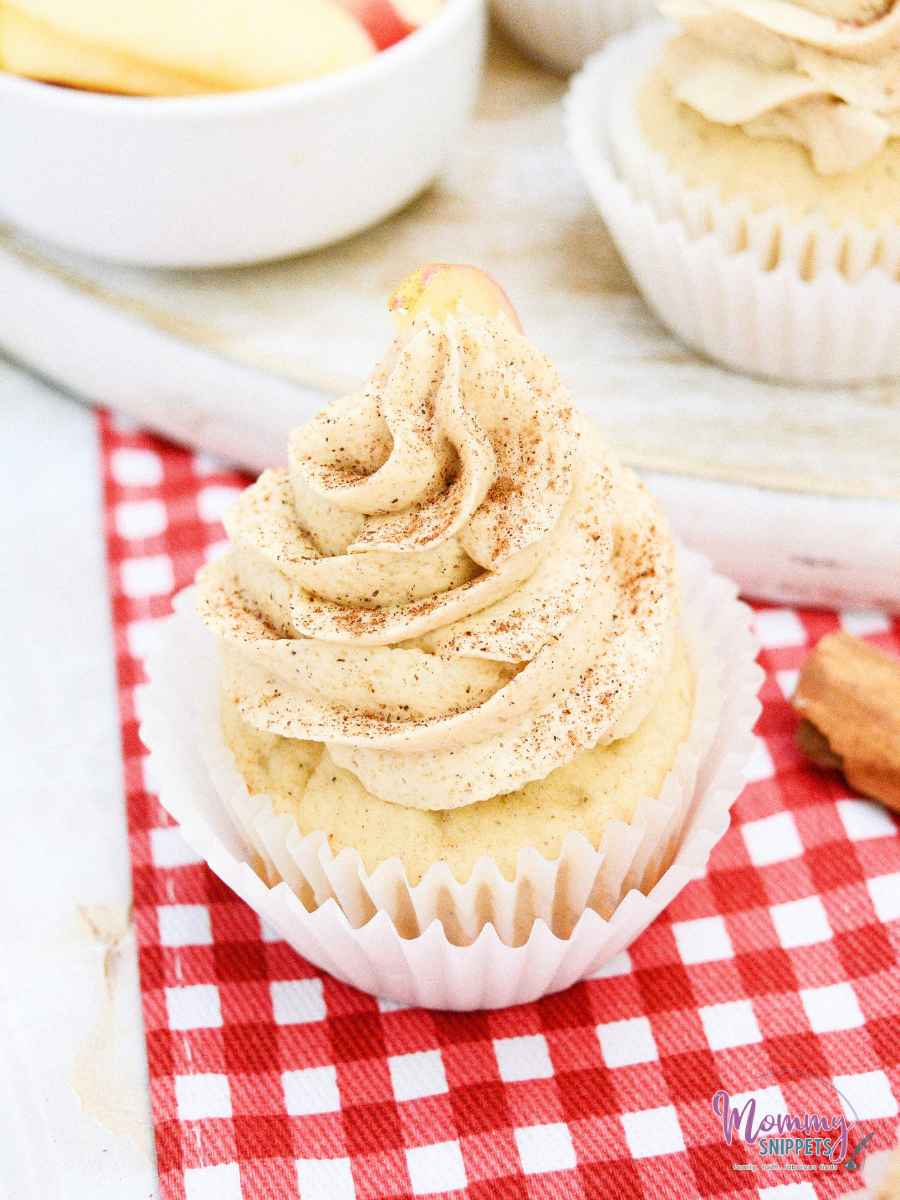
(449, 629)
(453, 680)
(758, 151)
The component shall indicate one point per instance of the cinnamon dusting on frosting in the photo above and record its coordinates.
(454, 586)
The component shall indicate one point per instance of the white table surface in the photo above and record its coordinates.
(75, 1121)
(65, 889)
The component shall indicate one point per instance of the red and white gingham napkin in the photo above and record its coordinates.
(777, 975)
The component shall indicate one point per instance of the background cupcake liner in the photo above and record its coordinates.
(769, 293)
(427, 944)
(562, 33)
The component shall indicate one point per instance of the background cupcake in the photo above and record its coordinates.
(562, 33)
(758, 153)
(454, 679)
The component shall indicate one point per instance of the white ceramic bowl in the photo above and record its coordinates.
(242, 177)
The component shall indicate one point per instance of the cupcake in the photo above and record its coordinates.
(454, 673)
(748, 167)
(562, 33)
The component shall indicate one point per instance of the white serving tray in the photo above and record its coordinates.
(794, 492)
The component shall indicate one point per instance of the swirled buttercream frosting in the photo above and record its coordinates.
(823, 73)
(453, 585)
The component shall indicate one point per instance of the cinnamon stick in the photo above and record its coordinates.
(849, 698)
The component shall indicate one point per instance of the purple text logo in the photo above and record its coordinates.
(783, 1133)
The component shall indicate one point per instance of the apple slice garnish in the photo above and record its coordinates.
(417, 12)
(39, 51)
(381, 19)
(169, 47)
(389, 21)
(439, 289)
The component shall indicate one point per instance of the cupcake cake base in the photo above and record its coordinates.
(493, 940)
(600, 785)
(763, 172)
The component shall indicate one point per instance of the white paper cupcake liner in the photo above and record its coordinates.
(770, 293)
(428, 944)
(562, 33)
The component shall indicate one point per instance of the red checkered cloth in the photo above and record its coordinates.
(776, 975)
